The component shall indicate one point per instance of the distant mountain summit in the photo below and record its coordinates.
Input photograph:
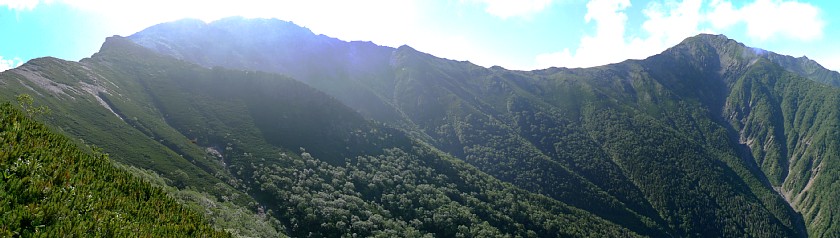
(276, 46)
(733, 55)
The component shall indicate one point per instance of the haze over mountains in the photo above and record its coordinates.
(269, 129)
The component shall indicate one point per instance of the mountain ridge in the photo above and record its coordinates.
(708, 138)
(240, 128)
(716, 64)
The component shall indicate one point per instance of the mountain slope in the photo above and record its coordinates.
(286, 151)
(785, 121)
(693, 141)
(675, 174)
(79, 96)
(50, 187)
(223, 44)
(708, 138)
(359, 74)
(295, 149)
(795, 141)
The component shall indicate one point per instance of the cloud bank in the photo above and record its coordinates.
(19, 5)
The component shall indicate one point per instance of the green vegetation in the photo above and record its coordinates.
(73, 93)
(709, 138)
(792, 130)
(25, 102)
(249, 129)
(52, 188)
(346, 179)
(662, 146)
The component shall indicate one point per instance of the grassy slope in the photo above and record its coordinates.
(142, 139)
(78, 113)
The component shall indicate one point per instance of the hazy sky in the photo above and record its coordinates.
(515, 34)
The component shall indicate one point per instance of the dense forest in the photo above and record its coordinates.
(266, 129)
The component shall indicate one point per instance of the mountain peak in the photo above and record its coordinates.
(243, 25)
(727, 54)
(179, 25)
(405, 47)
(709, 37)
(118, 47)
(113, 43)
(705, 43)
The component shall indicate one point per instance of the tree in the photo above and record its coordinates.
(25, 102)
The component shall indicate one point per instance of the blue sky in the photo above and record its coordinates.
(515, 34)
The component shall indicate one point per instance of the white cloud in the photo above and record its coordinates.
(19, 5)
(7, 64)
(829, 62)
(562, 58)
(828, 57)
(608, 40)
(667, 24)
(765, 19)
(605, 46)
(723, 15)
(670, 22)
(514, 8)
